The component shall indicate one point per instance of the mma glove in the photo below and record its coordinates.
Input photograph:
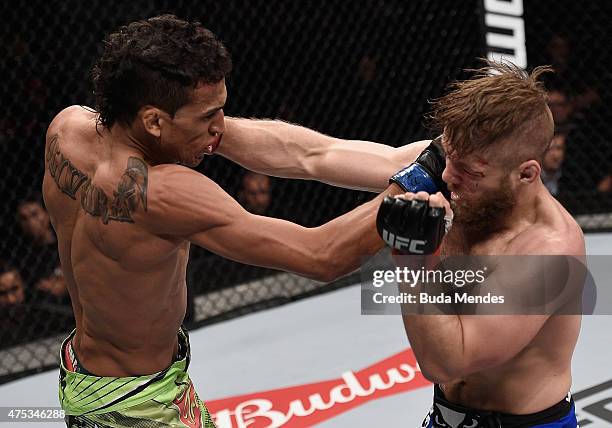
(425, 173)
(410, 227)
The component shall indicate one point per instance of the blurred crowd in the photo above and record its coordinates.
(579, 159)
(32, 279)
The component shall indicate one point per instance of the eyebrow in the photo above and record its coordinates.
(449, 151)
(470, 168)
(212, 111)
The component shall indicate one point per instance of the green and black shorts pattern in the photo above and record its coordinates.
(163, 399)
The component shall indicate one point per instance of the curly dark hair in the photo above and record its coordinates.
(157, 61)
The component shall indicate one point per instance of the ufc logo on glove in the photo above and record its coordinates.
(413, 246)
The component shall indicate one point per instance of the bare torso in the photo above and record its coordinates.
(127, 285)
(124, 224)
(539, 376)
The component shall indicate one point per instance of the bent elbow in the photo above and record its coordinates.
(437, 376)
(328, 268)
(438, 373)
(327, 261)
(310, 162)
(327, 271)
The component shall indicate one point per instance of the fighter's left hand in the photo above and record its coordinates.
(435, 200)
(413, 223)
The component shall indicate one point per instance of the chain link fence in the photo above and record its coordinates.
(574, 37)
(362, 69)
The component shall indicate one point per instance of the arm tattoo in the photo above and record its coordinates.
(130, 194)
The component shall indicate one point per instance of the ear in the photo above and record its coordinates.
(150, 118)
(529, 171)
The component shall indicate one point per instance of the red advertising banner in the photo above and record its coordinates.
(308, 404)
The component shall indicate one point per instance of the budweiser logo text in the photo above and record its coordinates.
(305, 405)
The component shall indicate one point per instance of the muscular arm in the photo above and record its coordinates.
(449, 347)
(189, 205)
(285, 150)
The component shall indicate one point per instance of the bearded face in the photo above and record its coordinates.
(483, 213)
(483, 193)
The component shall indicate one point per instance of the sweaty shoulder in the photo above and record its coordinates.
(75, 130)
(555, 233)
(183, 201)
(76, 118)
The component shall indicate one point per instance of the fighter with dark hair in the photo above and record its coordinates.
(126, 208)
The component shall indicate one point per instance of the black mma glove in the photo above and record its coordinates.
(411, 227)
(425, 173)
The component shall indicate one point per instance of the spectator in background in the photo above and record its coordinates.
(552, 163)
(255, 193)
(558, 52)
(569, 72)
(12, 292)
(14, 313)
(562, 109)
(38, 257)
(605, 185)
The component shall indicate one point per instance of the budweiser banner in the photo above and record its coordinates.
(308, 404)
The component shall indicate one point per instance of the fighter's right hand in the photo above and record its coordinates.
(410, 225)
(425, 173)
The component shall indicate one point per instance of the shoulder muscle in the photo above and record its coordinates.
(182, 202)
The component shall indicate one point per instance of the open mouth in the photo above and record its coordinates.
(211, 148)
(454, 196)
(208, 151)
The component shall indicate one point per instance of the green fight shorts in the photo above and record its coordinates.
(164, 399)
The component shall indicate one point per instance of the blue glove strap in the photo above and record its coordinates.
(414, 179)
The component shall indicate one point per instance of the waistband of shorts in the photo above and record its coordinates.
(183, 351)
(71, 359)
(90, 394)
(506, 420)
